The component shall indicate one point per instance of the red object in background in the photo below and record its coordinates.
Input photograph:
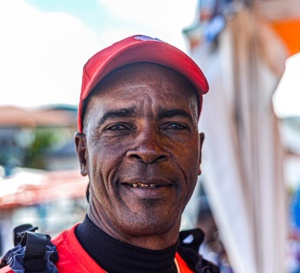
(27, 189)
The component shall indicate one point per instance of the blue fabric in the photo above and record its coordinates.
(14, 258)
(295, 209)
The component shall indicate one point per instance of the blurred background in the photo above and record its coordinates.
(248, 197)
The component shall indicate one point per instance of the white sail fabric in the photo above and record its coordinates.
(243, 156)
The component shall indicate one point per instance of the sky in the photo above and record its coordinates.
(44, 44)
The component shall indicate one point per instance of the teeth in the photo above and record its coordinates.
(142, 185)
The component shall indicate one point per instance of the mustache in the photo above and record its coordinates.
(147, 172)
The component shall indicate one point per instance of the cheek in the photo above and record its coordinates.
(188, 153)
(103, 164)
(104, 158)
(189, 158)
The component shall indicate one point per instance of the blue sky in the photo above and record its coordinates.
(44, 44)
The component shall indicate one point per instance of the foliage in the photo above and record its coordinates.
(45, 138)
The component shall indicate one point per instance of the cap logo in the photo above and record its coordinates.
(146, 38)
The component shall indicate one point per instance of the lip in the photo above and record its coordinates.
(153, 189)
(147, 183)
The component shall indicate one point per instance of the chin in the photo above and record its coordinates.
(150, 226)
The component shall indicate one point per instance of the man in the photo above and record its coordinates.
(138, 143)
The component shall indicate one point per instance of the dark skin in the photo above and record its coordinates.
(141, 150)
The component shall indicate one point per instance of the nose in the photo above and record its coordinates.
(148, 148)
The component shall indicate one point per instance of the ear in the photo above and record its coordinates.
(81, 149)
(201, 140)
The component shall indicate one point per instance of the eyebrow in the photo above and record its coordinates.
(169, 113)
(130, 112)
(119, 113)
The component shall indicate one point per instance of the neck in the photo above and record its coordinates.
(113, 255)
(152, 241)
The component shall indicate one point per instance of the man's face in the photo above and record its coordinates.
(141, 150)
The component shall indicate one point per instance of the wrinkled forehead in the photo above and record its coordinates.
(134, 77)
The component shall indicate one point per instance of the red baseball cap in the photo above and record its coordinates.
(134, 49)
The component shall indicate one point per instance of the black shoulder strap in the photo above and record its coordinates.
(189, 244)
(36, 250)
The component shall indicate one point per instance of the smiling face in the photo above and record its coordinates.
(141, 151)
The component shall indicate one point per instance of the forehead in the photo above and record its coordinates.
(157, 83)
(131, 75)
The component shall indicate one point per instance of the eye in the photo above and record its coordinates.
(117, 127)
(175, 126)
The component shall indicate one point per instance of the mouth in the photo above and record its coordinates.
(149, 189)
(145, 185)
